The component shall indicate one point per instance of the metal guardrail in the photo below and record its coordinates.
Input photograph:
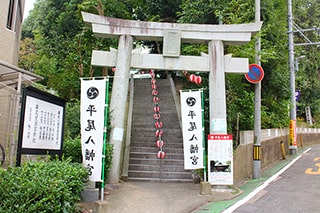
(246, 137)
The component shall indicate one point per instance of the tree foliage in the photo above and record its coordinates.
(57, 45)
(307, 66)
(240, 93)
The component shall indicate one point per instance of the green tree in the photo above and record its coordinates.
(240, 93)
(306, 15)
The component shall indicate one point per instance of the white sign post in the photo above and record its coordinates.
(220, 160)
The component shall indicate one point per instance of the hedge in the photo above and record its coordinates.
(53, 186)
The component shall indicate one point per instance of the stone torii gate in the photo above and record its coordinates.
(172, 35)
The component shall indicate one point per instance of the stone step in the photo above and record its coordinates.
(156, 161)
(160, 174)
(151, 155)
(166, 147)
(171, 180)
(166, 137)
(151, 130)
(157, 168)
(154, 149)
(151, 127)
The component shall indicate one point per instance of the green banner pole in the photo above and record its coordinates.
(203, 140)
(106, 109)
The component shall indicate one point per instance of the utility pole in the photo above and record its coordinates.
(257, 102)
(293, 115)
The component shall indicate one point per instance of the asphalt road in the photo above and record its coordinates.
(296, 190)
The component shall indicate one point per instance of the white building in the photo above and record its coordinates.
(11, 77)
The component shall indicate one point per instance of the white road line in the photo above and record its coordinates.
(265, 184)
(307, 150)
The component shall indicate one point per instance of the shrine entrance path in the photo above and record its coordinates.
(158, 197)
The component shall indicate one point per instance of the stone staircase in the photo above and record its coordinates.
(143, 162)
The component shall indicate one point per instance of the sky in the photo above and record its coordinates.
(28, 6)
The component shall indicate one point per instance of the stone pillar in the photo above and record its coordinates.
(217, 90)
(118, 103)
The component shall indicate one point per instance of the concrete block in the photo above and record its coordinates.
(100, 206)
(205, 188)
(90, 195)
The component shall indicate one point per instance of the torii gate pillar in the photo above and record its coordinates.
(218, 114)
(118, 101)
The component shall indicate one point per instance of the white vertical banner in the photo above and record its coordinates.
(92, 108)
(192, 128)
(220, 159)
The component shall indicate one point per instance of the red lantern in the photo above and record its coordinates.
(154, 86)
(198, 80)
(192, 78)
(156, 99)
(153, 81)
(155, 92)
(156, 109)
(158, 124)
(156, 116)
(161, 154)
(160, 143)
(159, 132)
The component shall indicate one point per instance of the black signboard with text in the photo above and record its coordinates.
(41, 124)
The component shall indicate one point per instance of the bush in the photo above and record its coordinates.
(72, 149)
(53, 186)
(72, 119)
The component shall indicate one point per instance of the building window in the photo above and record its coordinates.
(14, 15)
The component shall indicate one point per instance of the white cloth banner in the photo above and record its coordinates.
(192, 129)
(92, 110)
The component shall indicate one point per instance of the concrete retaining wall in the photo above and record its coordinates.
(270, 149)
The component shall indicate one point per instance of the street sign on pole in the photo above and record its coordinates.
(255, 74)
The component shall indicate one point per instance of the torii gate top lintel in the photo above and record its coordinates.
(194, 33)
